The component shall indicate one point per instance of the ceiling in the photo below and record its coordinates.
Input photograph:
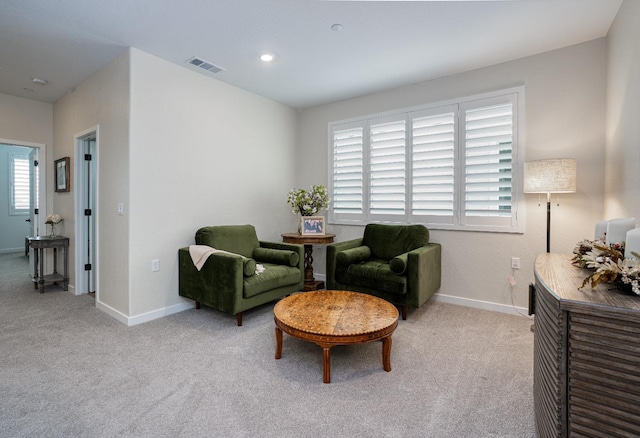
(382, 44)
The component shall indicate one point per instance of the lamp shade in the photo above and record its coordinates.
(550, 176)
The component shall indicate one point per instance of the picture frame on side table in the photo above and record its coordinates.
(61, 174)
(312, 226)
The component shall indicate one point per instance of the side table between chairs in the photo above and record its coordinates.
(308, 241)
(39, 244)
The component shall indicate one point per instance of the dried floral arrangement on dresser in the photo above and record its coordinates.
(613, 257)
(608, 265)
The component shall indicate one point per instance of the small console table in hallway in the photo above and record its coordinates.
(310, 283)
(39, 244)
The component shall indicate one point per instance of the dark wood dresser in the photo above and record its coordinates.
(586, 374)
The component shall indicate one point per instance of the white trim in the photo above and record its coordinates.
(21, 143)
(144, 317)
(478, 304)
(80, 194)
(155, 314)
(112, 312)
(9, 250)
(466, 302)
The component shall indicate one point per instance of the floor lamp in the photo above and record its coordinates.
(550, 176)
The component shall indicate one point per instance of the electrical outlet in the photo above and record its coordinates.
(515, 262)
(155, 265)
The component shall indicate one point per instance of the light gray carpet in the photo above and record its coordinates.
(69, 370)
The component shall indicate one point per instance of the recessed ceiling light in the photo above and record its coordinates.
(266, 57)
(39, 81)
(336, 27)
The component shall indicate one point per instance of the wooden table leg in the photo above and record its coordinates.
(66, 268)
(310, 283)
(326, 364)
(278, 343)
(36, 279)
(41, 278)
(386, 353)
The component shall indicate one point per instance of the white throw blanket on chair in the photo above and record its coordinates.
(200, 253)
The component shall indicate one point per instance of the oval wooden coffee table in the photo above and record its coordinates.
(330, 317)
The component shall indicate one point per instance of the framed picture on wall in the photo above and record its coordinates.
(61, 174)
(312, 226)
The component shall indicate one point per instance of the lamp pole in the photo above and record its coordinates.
(548, 221)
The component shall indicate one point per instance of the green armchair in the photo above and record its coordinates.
(394, 262)
(229, 281)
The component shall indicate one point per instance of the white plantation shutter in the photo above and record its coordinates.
(20, 189)
(433, 149)
(448, 165)
(488, 161)
(347, 188)
(387, 169)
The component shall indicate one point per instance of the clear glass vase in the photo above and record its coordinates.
(53, 230)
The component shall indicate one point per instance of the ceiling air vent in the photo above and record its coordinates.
(205, 65)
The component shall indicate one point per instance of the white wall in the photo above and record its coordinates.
(181, 151)
(564, 118)
(102, 100)
(202, 153)
(622, 160)
(26, 122)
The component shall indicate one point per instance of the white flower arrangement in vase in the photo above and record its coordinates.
(53, 220)
(308, 202)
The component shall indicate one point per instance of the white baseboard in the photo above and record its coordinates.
(8, 250)
(468, 302)
(144, 317)
(478, 304)
(112, 312)
(176, 308)
(155, 314)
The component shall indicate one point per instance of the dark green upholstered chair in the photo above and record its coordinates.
(394, 262)
(228, 280)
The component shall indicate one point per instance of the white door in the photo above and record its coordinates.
(90, 221)
(34, 191)
(86, 214)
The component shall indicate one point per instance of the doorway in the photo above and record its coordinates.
(86, 183)
(22, 193)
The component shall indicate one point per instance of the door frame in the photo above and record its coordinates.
(80, 196)
(42, 164)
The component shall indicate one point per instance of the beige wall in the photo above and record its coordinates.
(30, 123)
(102, 100)
(564, 98)
(202, 153)
(25, 120)
(622, 158)
(182, 150)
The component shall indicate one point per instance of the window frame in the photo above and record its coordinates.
(513, 223)
(13, 210)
